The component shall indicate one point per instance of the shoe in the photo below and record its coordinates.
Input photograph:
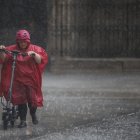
(34, 119)
(22, 124)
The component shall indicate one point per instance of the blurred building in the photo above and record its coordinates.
(95, 28)
(75, 28)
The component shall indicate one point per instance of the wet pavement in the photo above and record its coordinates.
(85, 106)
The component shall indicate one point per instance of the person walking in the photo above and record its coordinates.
(27, 83)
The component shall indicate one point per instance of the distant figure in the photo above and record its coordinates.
(28, 76)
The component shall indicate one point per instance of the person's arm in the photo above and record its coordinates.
(2, 54)
(36, 56)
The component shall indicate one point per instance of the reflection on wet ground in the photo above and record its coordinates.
(85, 107)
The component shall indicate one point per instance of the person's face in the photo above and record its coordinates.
(22, 44)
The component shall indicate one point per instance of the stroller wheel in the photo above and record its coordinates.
(5, 118)
(12, 123)
(5, 124)
(4, 115)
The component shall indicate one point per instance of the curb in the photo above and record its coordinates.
(94, 64)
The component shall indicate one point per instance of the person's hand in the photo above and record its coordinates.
(2, 47)
(2, 54)
(35, 55)
(31, 53)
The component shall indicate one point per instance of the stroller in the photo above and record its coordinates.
(10, 111)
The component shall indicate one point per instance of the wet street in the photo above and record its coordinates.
(85, 106)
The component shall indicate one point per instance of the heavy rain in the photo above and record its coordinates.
(99, 106)
(91, 83)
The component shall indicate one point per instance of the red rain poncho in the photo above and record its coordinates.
(27, 77)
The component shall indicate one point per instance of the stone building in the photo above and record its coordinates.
(75, 28)
(94, 28)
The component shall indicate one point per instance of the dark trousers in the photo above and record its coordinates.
(23, 111)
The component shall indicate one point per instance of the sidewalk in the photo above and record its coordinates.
(102, 84)
(95, 105)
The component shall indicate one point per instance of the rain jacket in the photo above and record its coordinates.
(27, 76)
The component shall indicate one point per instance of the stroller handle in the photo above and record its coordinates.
(14, 52)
